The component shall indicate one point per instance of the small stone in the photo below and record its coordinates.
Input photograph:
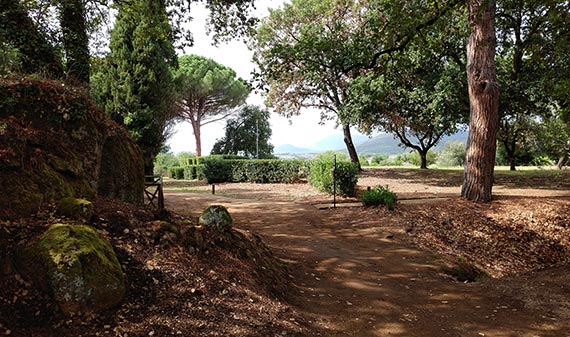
(107, 326)
(151, 333)
(8, 332)
(481, 334)
(444, 302)
(126, 231)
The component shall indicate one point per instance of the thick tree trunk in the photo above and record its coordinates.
(350, 145)
(484, 102)
(75, 40)
(423, 159)
(197, 137)
(148, 165)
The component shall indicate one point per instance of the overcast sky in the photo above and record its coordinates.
(302, 131)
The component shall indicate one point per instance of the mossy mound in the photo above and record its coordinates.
(75, 208)
(217, 217)
(55, 143)
(77, 266)
(120, 176)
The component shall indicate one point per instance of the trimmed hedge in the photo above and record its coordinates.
(176, 172)
(321, 176)
(193, 172)
(217, 170)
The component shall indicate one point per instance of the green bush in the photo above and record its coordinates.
(414, 158)
(217, 170)
(380, 195)
(163, 162)
(193, 161)
(193, 172)
(176, 172)
(385, 160)
(378, 159)
(541, 161)
(321, 175)
(9, 58)
(452, 154)
(253, 170)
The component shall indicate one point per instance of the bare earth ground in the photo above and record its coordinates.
(373, 272)
(359, 272)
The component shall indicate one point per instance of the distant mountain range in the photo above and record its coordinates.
(380, 144)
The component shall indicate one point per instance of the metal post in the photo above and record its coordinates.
(213, 189)
(160, 194)
(257, 138)
(334, 181)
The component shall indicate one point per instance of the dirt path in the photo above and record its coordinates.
(356, 279)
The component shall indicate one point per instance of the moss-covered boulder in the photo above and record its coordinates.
(77, 267)
(217, 217)
(121, 173)
(75, 208)
(55, 143)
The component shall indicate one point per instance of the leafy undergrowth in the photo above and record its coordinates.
(511, 235)
(179, 282)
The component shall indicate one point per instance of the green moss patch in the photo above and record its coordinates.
(216, 216)
(77, 266)
(75, 208)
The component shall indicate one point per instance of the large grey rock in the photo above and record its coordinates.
(77, 266)
(216, 216)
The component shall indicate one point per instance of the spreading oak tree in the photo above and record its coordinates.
(419, 94)
(529, 36)
(309, 52)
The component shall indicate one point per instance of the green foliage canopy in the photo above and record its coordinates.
(310, 51)
(247, 134)
(532, 67)
(420, 94)
(136, 86)
(206, 92)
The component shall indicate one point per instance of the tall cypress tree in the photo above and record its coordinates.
(137, 88)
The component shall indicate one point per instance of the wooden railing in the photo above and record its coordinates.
(153, 191)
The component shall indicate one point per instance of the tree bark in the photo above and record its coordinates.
(350, 145)
(197, 137)
(484, 102)
(423, 159)
(75, 40)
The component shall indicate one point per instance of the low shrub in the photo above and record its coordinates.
(253, 170)
(321, 176)
(176, 172)
(193, 172)
(380, 195)
(217, 170)
(541, 161)
(452, 154)
(415, 159)
(379, 159)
